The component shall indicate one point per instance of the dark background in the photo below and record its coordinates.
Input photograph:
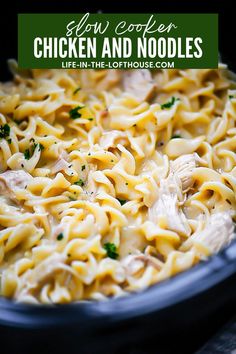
(188, 341)
(227, 19)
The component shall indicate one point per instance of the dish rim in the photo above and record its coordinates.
(159, 297)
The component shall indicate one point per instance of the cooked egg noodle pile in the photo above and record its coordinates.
(111, 181)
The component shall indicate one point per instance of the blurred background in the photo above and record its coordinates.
(227, 19)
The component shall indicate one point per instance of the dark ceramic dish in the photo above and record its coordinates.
(217, 274)
(163, 309)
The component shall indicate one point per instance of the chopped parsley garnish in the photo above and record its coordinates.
(176, 136)
(90, 119)
(30, 151)
(230, 97)
(27, 154)
(76, 90)
(170, 103)
(34, 147)
(9, 141)
(60, 236)
(111, 250)
(80, 183)
(16, 121)
(122, 201)
(4, 131)
(74, 114)
(83, 168)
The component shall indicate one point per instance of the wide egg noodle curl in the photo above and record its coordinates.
(142, 161)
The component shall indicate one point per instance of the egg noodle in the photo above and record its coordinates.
(111, 181)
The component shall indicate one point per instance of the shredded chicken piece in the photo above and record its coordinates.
(166, 208)
(150, 260)
(60, 165)
(15, 178)
(13, 181)
(108, 139)
(218, 233)
(183, 167)
(139, 83)
(133, 263)
(44, 270)
(172, 189)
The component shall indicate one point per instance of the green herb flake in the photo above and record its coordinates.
(9, 141)
(60, 236)
(122, 201)
(170, 103)
(80, 183)
(33, 147)
(176, 136)
(74, 114)
(76, 90)
(90, 119)
(231, 97)
(83, 167)
(16, 121)
(27, 154)
(41, 147)
(4, 131)
(111, 250)
(30, 151)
